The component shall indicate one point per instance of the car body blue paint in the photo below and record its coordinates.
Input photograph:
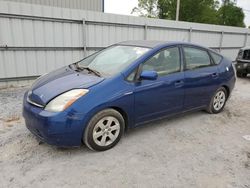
(60, 81)
(141, 101)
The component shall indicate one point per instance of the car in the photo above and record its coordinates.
(93, 101)
(243, 62)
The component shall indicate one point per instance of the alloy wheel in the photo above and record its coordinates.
(106, 131)
(219, 100)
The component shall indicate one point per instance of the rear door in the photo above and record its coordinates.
(201, 77)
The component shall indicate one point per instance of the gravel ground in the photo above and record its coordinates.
(192, 150)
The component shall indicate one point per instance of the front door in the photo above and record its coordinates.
(165, 95)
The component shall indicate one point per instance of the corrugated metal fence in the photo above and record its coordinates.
(94, 5)
(36, 39)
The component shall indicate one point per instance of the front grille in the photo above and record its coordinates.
(246, 55)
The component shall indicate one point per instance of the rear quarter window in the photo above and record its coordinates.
(216, 57)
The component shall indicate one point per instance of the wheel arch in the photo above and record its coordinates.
(119, 109)
(227, 89)
(123, 113)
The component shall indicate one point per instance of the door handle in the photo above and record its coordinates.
(215, 75)
(179, 83)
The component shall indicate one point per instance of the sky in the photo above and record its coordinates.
(125, 7)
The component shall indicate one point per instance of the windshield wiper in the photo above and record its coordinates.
(97, 73)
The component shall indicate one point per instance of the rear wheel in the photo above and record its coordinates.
(104, 130)
(218, 101)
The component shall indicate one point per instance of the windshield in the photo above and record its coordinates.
(113, 59)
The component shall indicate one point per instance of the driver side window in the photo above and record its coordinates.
(165, 62)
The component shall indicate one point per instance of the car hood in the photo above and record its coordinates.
(64, 79)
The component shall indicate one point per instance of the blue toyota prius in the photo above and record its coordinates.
(95, 100)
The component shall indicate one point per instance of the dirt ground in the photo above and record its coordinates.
(192, 150)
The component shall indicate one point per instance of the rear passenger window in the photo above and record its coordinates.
(217, 58)
(196, 58)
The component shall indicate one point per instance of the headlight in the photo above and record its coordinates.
(245, 65)
(240, 54)
(64, 100)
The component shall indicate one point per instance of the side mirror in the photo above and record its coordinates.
(148, 75)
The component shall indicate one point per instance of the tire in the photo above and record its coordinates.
(244, 75)
(218, 101)
(239, 74)
(104, 130)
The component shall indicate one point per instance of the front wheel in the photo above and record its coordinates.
(218, 101)
(104, 130)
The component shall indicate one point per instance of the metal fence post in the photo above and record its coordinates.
(190, 34)
(84, 29)
(145, 32)
(245, 42)
(221, 40)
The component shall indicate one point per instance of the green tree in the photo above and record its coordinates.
(200, 11)
(231, 15)
(167, 9)
(146, 8)
(226, 2)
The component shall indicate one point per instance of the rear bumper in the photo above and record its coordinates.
(62, 129)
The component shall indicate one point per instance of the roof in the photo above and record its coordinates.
(154, 43)
(143, 43)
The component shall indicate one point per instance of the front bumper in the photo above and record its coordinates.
(62, 129)
(243, 67)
